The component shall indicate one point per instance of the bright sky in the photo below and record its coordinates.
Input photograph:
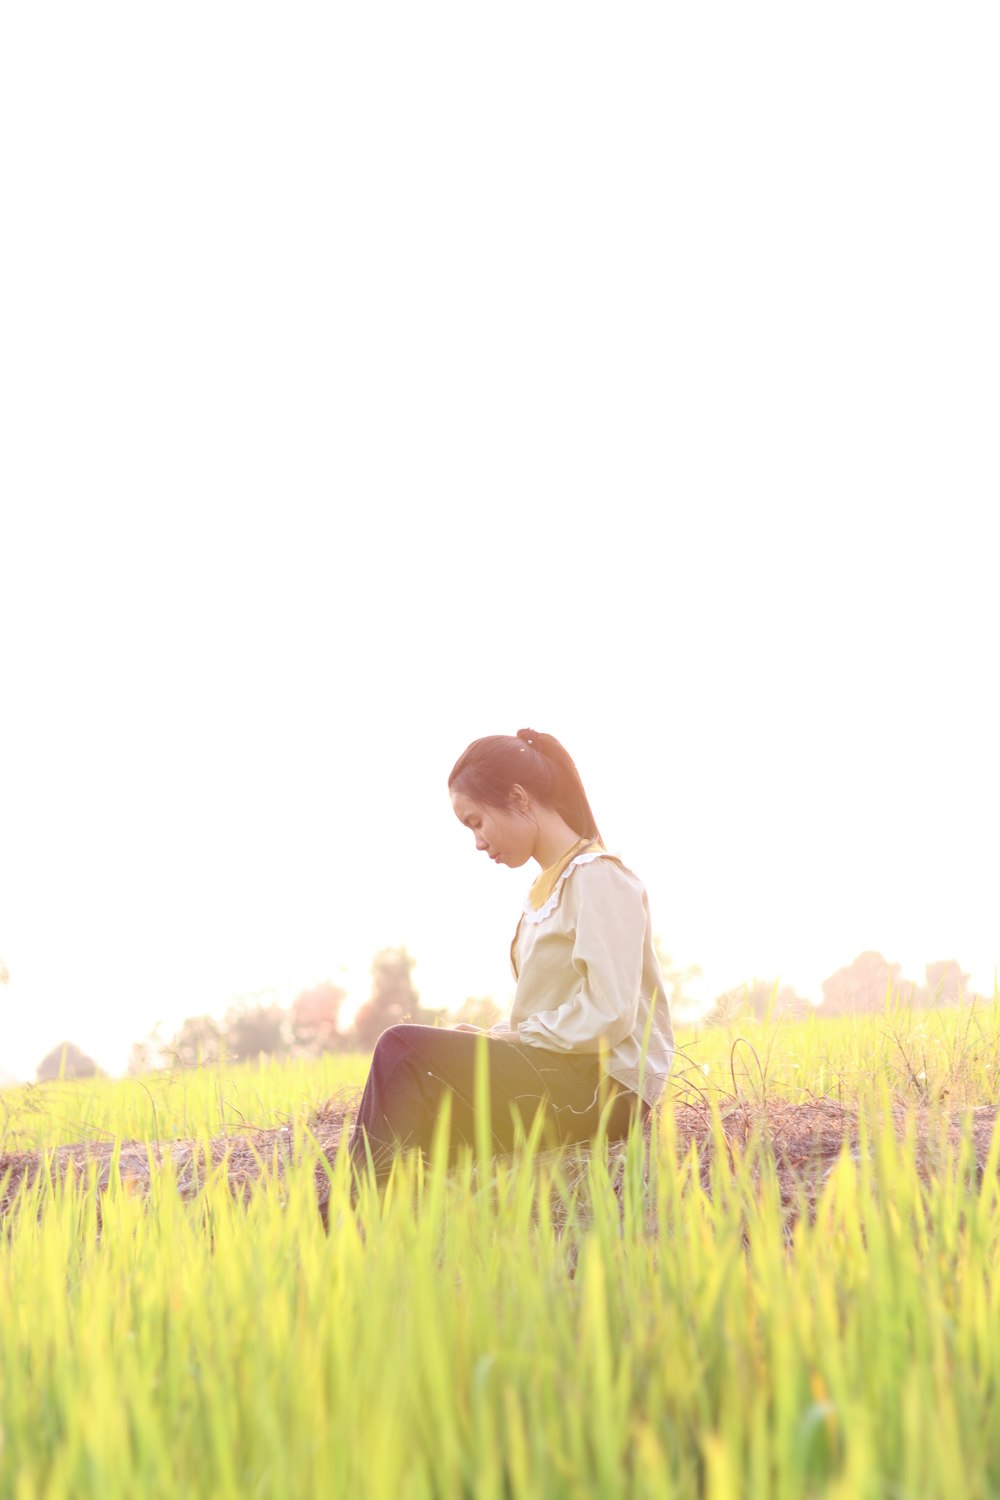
(379, 377)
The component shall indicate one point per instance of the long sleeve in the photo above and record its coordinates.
(606, 918)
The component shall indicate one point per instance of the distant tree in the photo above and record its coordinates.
(764, 1000)
(67, 1061)
(256, 1030)
(199, 1043)
(393, 998)
(946, 983)
(315, 1014)
(861, 987)
(477, 1011)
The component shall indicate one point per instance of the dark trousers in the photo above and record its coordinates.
(414, 1067)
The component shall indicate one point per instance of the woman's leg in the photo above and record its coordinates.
(414, 1067)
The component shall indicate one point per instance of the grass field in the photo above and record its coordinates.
(665, 1320)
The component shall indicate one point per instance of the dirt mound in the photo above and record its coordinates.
(803, 1141)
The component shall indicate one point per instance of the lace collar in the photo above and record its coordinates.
(531, 915)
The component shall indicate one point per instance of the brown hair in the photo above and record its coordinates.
(488, 769)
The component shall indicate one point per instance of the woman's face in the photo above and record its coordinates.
(506, 834)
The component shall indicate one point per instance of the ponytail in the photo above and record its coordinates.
(488, 769)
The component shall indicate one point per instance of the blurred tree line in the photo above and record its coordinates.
(310, 1028)
(860, 988)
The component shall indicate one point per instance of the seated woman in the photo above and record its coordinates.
(590, 1024)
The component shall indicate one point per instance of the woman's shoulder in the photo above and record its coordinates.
(608, 871)
(597, 869)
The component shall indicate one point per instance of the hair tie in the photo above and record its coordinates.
(529, 736)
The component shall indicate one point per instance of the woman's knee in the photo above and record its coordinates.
(395, 1042)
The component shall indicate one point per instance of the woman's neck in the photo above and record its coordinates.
(555, 836)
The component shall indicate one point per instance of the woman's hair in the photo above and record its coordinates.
(490, 767)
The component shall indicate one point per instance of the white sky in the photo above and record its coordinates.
(375, 377)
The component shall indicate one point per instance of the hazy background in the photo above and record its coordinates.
(376, 377)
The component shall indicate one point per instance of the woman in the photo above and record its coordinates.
(589, 1026)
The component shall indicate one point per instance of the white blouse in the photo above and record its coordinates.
(587, 975)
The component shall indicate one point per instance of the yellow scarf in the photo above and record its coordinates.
(546, 882)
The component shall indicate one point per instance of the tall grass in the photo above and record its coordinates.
(950, 1055)
(925, 1056)
(532, 1327)
(173, 1105)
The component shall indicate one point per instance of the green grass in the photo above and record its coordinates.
(949, 1055)
(525, 1332)
(173, 1106)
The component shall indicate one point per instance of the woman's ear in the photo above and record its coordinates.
(519, 799)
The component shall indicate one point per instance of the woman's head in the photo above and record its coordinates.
(501, 783)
